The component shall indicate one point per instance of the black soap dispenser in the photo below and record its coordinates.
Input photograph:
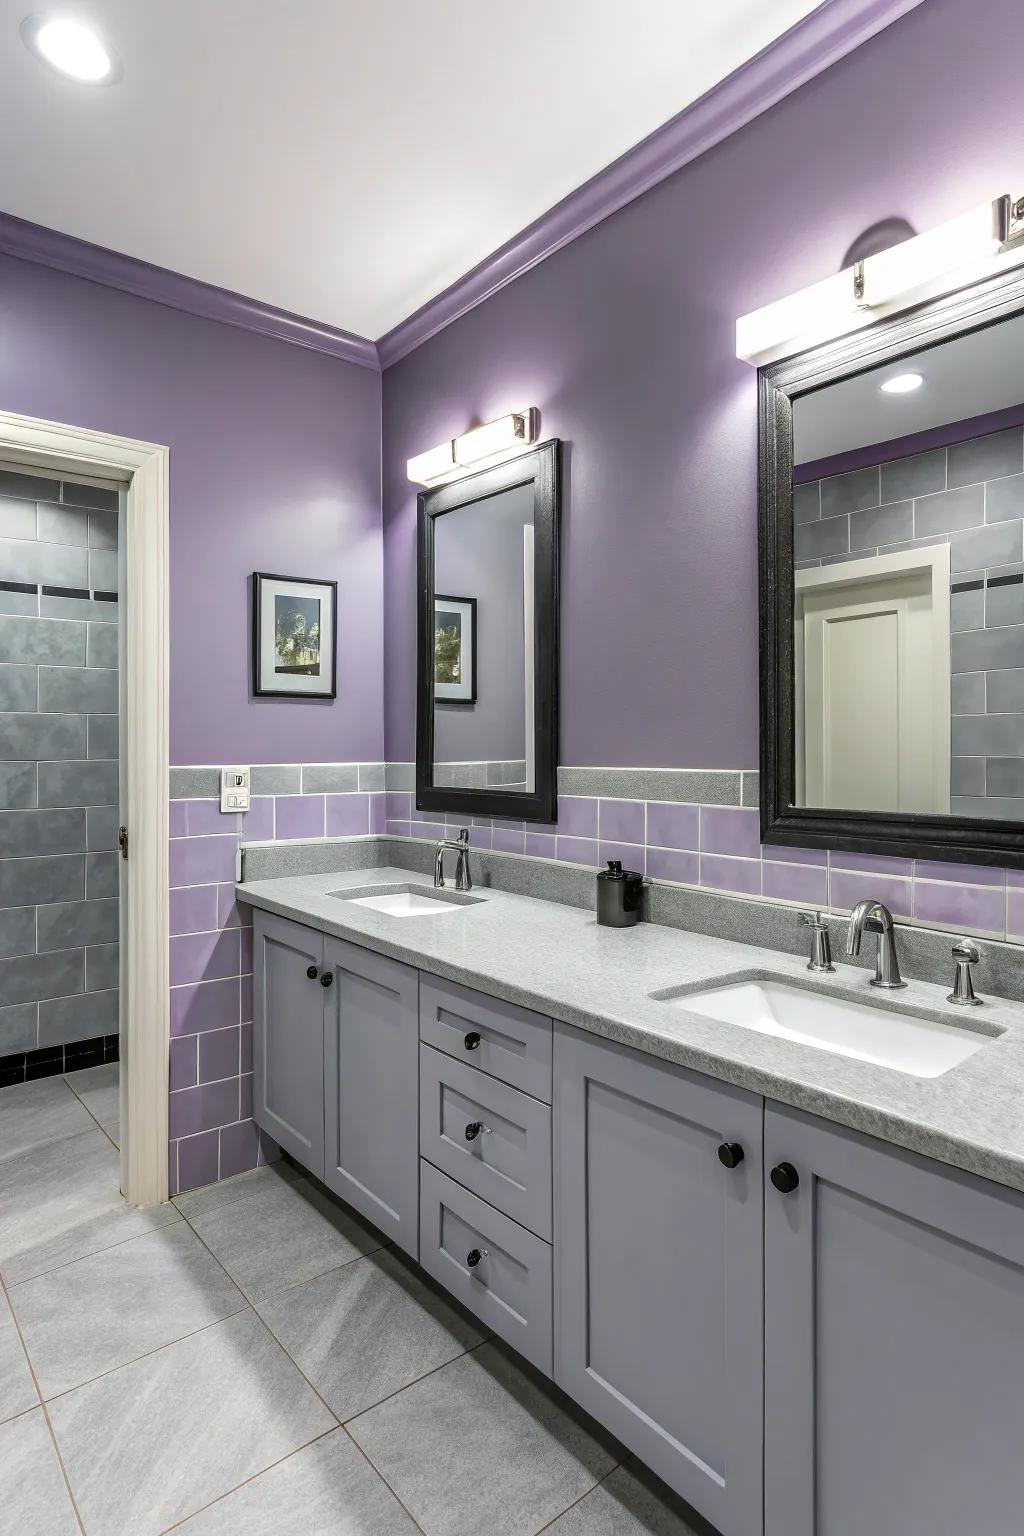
(618, 896)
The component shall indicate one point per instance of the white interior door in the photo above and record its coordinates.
(874, 677)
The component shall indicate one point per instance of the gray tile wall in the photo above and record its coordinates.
(58, 762)
(971, 497)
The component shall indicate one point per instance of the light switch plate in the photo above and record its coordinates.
(234, 789)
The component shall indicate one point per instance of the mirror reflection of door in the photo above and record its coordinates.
(483, 644)
(872, 648)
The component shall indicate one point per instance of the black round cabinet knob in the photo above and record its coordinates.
(472, 1040)
(473, 1129)
(326, 979)
(785, 1178)
(730, 1154)
(473, 1257)
(312, 972)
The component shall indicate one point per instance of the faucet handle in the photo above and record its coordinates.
(966, 949)
(810, 920)
(821, 949)
(464, 835)
(966, 953)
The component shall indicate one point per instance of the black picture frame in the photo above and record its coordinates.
(541, 468)
(954, 839)
(260, 579)
(471, 604)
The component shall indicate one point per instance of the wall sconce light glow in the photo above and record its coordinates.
(902, 384)
(72, 48)
(976, 245)
(494, 441)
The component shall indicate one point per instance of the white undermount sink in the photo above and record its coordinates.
(409, 901)
(922, 1047)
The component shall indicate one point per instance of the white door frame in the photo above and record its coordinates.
(145, 1000)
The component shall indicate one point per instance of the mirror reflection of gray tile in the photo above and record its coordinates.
(950, 510)
(1001, 809)
(78, 783)
(368, 1329)
(989, 650)
(967, 610)
(101, 645)
(103, 530)
(812, 541)
(1005, 777)
(101, 824)
(61, 525)
(19, 687)
(1004, 604)
(807, 502)
(33, 1494)
(78, 690)
(327, 1487)
(33, 737)
(102, 873)
(233, 1375)
(14, 482)
(17, 518)
(479, 1446)
(77, 608)
(103, 738)
(1004, 692)
(111, 1307)
(999, 544)
(967, 776)
(27, 834)
(986, 458)
(922, 474)
(988, 735)
(34, 881)
(882, 525)
(102, 570)
(1004, 499)
(19, 602)
(850, 492)
(17, 786)
(55, 565)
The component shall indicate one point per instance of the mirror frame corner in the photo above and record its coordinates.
(954, 839)
(541, 466)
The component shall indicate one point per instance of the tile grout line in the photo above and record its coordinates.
(42, 1404)
(599, 1484)
(252, 1478)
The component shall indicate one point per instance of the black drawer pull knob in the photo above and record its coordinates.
(326, 979)
(730, 1154)
(474, 1256)
(472, 1040)
(312, 972)
(785, 1178)
(477, 1128)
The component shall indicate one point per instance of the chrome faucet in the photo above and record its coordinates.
(873, 917)
(463, 878)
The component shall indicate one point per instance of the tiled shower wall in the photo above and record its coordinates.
(212, 1134)
(58, 771)
(971, 497)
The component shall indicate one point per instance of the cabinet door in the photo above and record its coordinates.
(894, 1367)
(288, 1038)
(371, 1098)
(658, 1268)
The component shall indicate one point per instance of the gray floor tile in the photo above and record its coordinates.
(17, 1389)
(215, 1197)
(279, 1234)
(157, 1440)
(478, 1446)
(365, 1331)
(33, 1495)
(60, 1202)
(327, 1489)
(630, 1503)
(101, 1312)
(98, 1088)
(33, 1114)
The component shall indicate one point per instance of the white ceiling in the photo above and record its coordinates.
(968, 377)
(344, 160)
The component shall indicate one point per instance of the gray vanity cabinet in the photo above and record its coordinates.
(894, 1318)
(288, 1037)
(658, 1268)
(371, 1087)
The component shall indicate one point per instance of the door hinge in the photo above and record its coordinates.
(122, 841)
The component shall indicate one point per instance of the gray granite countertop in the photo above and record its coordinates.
(557, 960)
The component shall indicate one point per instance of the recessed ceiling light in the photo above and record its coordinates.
(72, 48)
(902, 384)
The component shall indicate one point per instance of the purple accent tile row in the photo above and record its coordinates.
(205, 956)
(203, 1108)
(727, 829)
(673, 864)
(979, 909)
(847, 887)
(721, 873)
(219, 1054)
(205, 1005)
(578, 850)
(673, 826)
(795, 882)
(231, 913)
(202, 860)
(622, 821)
(297, 816)
(630, 855)
(348, 815)
(577, 817)
(193, 908)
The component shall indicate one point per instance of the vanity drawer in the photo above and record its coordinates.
(498, 1038)
(508, 1161)
(509, 1287)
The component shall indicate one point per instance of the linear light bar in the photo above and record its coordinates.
(489, 443)
(973, 246)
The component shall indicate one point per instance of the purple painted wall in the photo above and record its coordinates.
(275, 465)
(625, 340)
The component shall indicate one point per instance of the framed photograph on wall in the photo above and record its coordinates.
(455, 649)
(294, 637)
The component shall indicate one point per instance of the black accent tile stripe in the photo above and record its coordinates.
(105, 597)
(966, 586)
(19, 586)
(66, 592)
(53, 1060)
(1006, 581)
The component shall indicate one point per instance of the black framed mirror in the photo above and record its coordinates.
(487, 640)
(891, 554)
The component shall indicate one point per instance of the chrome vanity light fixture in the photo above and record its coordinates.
(481, 445)
(978, 244)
